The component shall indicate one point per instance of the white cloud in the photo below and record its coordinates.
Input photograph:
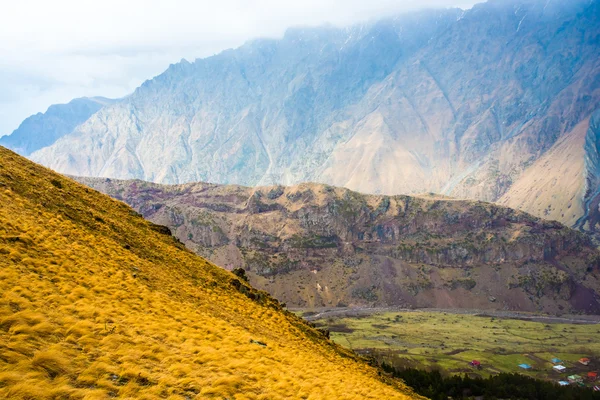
(54, 51)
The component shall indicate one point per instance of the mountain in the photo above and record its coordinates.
(492, 103)
(314, 245)
(96, 302)
(237, 116)
(43, 129)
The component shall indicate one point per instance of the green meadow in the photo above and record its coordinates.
(450, 341)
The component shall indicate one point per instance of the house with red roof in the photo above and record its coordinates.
(475, 364)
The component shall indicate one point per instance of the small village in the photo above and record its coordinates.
(582, 372)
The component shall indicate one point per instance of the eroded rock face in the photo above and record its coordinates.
(453, 102)
(318, 245)
(591, 216)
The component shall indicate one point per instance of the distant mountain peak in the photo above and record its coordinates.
(43, 129)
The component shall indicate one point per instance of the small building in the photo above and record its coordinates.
(592, 376)
(525, 366)
(563, 383)
(575, 379)
(584, 361)
(556, 360)
(475, 364)
(559, 368)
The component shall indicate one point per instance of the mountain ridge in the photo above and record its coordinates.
(314, 245)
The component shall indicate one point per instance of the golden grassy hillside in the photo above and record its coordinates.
(96, 302)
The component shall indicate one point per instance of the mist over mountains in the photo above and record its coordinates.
(492, 103)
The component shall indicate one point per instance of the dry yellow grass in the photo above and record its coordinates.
(96, 303)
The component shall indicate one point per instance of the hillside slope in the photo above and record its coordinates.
(314, 245)
(97, 303)
(455, 102)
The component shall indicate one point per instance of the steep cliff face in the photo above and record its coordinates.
(477, 106)
(43, 129)
(461, 103)
(591, 215)
(317, 245)
(563, 184)
(553, 187)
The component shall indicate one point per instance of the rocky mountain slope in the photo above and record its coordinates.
(98, 303)
(314, 245)
(480, 104)
(43, 129)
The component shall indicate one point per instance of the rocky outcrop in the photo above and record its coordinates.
(318, 245)
(463, 103)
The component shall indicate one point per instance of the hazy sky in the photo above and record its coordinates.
(52, 51)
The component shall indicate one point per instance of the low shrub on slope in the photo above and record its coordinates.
(96, 302)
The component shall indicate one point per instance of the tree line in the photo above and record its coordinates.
(434, 385)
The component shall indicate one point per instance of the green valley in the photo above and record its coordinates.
(450, 341)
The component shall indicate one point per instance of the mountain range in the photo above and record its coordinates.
(493, 103)
(445, 159)
(315, 245)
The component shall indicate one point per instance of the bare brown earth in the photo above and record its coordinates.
(314, 245)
